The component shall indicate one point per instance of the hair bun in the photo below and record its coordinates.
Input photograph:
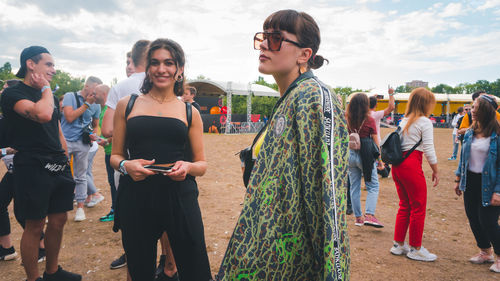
(317, 61)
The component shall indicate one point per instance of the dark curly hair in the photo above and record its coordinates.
(177, 54)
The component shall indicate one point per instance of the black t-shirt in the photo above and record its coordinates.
(26, 135)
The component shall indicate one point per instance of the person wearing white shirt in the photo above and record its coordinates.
(454, 122)
(409, 176)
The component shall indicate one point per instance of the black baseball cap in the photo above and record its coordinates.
(27, 54)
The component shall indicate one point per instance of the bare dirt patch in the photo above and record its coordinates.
(90, 246)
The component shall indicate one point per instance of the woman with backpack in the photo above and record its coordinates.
(409, 177)
(478, 178)
(157, 128)
(363, 151)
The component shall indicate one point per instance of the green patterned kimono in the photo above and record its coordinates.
(293, 222)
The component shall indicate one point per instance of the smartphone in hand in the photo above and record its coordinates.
(158, 168)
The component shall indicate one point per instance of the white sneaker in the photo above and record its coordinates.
(496, 266)
(94, 201)
(399, 250)
(80, 215)
(421, 255)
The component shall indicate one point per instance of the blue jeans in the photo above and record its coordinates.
(455, 147)
(91, 189)
(355, 175)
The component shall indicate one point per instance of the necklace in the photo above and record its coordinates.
(161, 101)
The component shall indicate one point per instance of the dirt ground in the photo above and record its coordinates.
(90, 246)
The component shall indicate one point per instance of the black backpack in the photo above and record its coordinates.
(391, 148)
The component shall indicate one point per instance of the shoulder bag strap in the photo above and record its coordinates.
(130, 105)
(413, 148)
(78, 104)
(189, 113)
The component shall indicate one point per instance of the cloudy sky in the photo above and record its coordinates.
(370, 43)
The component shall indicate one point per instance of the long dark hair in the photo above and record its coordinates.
(485, 118)
(177, 54)
(303, 26)
(357, 111)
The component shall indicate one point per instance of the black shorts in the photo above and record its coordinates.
(39, 192)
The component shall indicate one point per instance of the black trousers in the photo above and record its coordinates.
(145, 209)
(111, 179)
(483, 220)
(6, 195)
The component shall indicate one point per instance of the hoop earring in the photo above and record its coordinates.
(179, 78)
(302, 69)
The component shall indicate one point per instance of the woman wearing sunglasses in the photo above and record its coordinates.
(292, 226)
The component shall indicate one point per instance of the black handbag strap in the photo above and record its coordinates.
(413, 148)
(130, 105)
(78, 104)
(189, 113)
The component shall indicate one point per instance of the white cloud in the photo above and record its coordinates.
(367, 48)
(489, 4)
(453, 10)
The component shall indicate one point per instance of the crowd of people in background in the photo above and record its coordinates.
(293, 224)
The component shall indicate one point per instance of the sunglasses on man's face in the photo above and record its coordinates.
(274, 40)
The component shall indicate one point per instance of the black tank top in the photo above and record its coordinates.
(153, 137)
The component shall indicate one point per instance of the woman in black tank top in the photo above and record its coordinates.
(156, 129)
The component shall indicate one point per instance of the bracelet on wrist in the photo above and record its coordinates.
(121, 167)
(44, 88)
(457, 180)
(87, 104)
(4, 152)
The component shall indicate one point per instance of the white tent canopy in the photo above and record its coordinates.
(217, 88)
(211, 87)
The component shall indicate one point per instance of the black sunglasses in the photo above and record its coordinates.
(274, 40)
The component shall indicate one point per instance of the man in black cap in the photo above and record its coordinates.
(43, 183)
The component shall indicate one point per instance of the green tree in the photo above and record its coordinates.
(403, 89)
(66, 83)
(260, 80)
(443, 89)
(6, 73)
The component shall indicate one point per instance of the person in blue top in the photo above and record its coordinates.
(477, 179)
(77, 115)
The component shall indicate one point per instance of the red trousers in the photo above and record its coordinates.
(412, 191)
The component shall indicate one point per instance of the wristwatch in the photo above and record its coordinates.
(121, 168)
(457, 180)
(87, 104)
(4, 152)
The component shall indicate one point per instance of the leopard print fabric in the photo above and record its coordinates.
(293, 222)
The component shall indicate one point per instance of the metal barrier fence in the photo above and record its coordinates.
(242, 128)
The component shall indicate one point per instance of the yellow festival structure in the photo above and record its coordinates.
(445, 103)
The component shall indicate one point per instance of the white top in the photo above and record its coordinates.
(377, 116)
(420, 129)
(454, 123)
(131, 85)
(478, 153)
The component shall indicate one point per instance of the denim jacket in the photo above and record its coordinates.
(490, 183)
